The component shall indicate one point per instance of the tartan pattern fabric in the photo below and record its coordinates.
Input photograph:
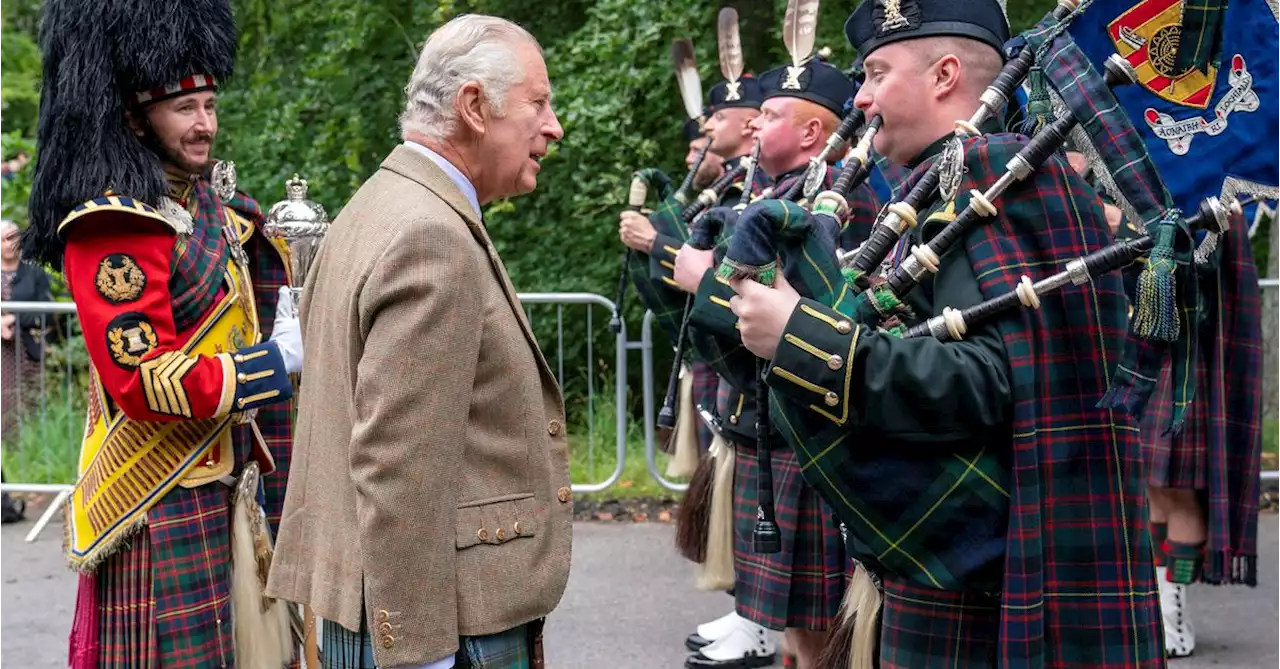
(1200, 35)
(269, 273)
(800, 586)
(706, 387)
(198, 262)
(126, 610)
(1124, 153)
(1078, 585)
(923, 628)
(190, 553)
(344, 649)
(1182, 461)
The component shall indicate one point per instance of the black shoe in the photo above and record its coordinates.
(748, 661)
(12, 510)
(695, 642)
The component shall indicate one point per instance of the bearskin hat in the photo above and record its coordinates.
(102, 58)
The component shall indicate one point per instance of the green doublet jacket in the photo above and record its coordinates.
(925, 426)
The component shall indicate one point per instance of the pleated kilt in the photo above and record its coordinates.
(800, 586)
(1181, 462)
(164, 599)
(923, 628)
(512, 649)
(705, 386)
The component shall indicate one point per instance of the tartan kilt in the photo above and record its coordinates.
(925, 627)
(513, 649)
(1182, 461)
(802, 585)
(706, 385)
(164, 599)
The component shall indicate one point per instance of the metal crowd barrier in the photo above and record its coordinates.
(528, 300)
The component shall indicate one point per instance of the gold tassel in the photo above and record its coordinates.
(716, 571)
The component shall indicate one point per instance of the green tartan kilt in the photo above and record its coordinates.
(513, 649)
(923, 628)
(802, 585)
(1181, 462)
(164, 598)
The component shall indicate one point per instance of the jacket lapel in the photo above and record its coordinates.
(414, 165)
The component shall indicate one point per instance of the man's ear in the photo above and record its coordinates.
(946, 75)
(472, 108)
(810, 132)
(135, 123)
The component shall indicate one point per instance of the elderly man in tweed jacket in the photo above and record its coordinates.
(429, 519)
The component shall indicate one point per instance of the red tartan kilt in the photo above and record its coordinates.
(164, 598)
(1181, 462)
(800, 586)
(923, 627)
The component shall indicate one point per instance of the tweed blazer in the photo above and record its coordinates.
(430, 480)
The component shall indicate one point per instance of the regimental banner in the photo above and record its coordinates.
(1207, 132)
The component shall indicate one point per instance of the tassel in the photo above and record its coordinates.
(852, 642)
(764, 274)
(695, 512)
(1156, 317)
(716, 572)
(684, 461)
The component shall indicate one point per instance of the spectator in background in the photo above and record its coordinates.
(23, 335)
(13, 166)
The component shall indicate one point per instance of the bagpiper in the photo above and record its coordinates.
(191, 335)
(797, 586)
(996, 512)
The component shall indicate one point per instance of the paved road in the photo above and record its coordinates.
(629, 604)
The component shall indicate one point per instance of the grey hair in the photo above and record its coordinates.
(471, 47)
(5, 224)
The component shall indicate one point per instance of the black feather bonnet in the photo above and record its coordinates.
(101, 58)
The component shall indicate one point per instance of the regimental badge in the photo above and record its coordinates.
(223, 180)
(894, 15)
(792, 82)
(129, 337)
(237, 338)
(950, 169)
(733, 91)
(177, 216)
(119, 279)
(813, 177)
(1147, 36)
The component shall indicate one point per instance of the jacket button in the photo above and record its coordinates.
(388, 641)
(563, 495)
(835, 362)
(553, 428)
(844, 327)
(482, 534)
(501, 534)
(516, 528)
(385, 628)
(242, 377)
(733, 419)
(383, 616)
(831, 399)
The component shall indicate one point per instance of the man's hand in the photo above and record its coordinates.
(6, 326)
(691, 265)
(763, 313)
(636, 231)
(1114, 217)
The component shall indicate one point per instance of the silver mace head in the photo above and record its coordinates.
(302, 224)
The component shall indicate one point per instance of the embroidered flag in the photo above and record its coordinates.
(1210, 132)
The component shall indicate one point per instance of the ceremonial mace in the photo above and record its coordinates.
(302, 225)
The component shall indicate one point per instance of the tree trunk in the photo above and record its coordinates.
(1271, 325)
